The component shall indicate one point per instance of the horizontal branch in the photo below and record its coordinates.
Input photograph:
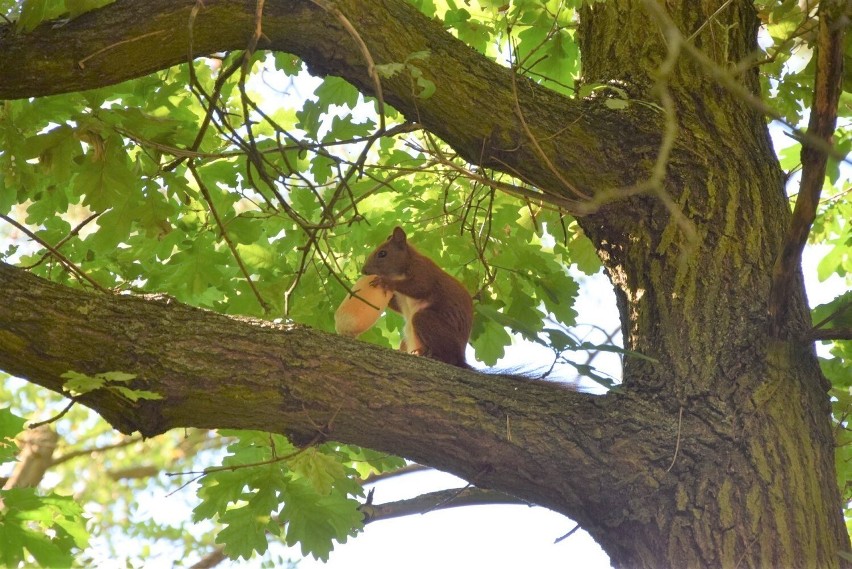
(223, 372)
(473, 108)
(831, 334)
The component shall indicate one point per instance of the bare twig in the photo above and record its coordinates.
(706, 22)
(727, 80)
(567, 535)
(655, 184)
(677, 443)
(365, 53)
(549, 201)
(534, 141)
(63, 260)
(407, 469)
(841, 310)
(82, 62)
(831, 334)
(210, 469)
(255, 37)
(64, 240)
(212, 559)
(223, 230)
(55, 417)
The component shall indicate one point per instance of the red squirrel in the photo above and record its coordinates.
(438, 310)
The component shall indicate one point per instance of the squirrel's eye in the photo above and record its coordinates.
(382, 253)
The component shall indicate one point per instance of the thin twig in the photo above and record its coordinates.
(223, 230)
(63, 260)
(706, 22)
(55, 417)
(740, 91)
(365, 53)
(88, 451)
(255, 37)
(567, 535)
(534, 141)
(831, 334)
(82, 62)
(677, 444)
(235, 467)
(64, 240)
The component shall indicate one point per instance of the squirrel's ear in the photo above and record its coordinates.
(398, 235)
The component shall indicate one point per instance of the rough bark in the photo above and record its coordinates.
(539, 441)
(719, 453)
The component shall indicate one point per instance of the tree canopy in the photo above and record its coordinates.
(189, 189)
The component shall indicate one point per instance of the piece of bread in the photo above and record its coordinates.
(360, 310)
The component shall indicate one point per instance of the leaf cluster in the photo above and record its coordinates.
(42, 526)
(267, 487)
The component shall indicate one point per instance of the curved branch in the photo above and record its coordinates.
(472, 108)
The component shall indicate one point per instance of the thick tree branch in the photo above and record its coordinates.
(473, 107)
(823, 118)
(220, 372)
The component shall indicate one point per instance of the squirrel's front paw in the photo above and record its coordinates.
(379, 282)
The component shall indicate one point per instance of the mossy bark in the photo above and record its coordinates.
(755, 480)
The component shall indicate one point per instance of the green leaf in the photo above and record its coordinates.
(80, 383)
(105, 180)
(507, 321)
(49, 528)
(617, 104)
(366, 461)
(10, 427)
(315, 521)
(581, 252)
(245, 531)
(320, 470)
(34, 12)
(834, 314)
(337, 91)
(117, 376)
(136, 394)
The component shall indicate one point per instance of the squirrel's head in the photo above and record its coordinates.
(391, 258)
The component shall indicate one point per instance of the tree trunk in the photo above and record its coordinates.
(755, 443)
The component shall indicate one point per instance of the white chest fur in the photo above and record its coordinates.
(409, 307)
